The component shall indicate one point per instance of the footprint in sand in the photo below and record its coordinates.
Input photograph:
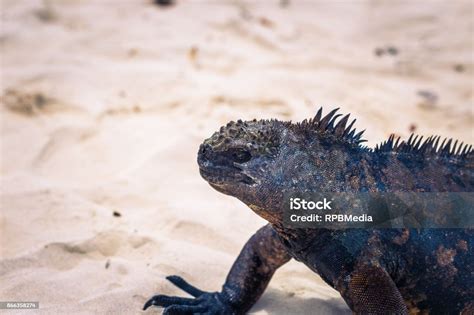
(31, 104)
(66, 255)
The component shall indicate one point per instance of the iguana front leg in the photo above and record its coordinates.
(249, 276)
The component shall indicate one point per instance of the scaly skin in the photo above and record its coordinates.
(376, 271)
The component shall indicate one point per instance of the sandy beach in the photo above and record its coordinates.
(104, 104)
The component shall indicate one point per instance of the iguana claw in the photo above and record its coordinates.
(203, 302)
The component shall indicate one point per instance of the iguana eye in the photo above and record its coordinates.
(241, 156)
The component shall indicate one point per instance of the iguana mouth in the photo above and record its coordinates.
(221, 169)
(224, 174)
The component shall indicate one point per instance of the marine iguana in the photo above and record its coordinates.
(396, 271)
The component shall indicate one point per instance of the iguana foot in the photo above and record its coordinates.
(211, 303)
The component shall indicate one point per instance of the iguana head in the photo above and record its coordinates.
(234, 159)
(242, 159)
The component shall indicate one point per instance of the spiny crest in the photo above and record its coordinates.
(327, 125)
(429, 147)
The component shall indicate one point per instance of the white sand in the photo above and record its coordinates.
(105, 103)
